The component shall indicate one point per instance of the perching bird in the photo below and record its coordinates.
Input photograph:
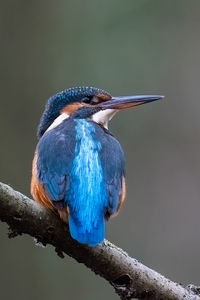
(79, 167)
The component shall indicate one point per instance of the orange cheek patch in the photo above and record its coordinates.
(37, 189)
(71, 108)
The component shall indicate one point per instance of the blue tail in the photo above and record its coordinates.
(82, 235)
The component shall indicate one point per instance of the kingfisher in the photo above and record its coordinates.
(78, 168)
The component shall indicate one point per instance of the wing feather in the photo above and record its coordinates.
(52, 164)
(113, 161)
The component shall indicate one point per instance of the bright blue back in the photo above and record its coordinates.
(81, 166)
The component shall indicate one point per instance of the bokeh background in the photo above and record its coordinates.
(126, 47)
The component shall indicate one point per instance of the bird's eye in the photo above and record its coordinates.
(87, 99)
(91, 100)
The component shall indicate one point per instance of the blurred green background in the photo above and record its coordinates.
(126, 47)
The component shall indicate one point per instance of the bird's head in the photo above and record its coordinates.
(87, 103)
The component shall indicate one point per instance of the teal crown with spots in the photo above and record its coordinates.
(58, 101)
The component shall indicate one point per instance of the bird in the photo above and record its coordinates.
(78, 168)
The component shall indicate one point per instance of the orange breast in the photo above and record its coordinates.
(37, 189)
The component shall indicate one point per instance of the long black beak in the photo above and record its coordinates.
(128, 101)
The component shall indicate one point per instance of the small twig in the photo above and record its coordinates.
(130, 278)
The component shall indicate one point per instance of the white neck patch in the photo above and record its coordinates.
(104, 116)
(58, 121)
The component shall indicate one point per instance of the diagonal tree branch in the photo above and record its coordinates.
(129, 277)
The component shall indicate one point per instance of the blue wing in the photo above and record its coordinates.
(113, 161)
(69, 180)
(55, 156)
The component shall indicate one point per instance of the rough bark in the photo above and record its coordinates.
(130, 278)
